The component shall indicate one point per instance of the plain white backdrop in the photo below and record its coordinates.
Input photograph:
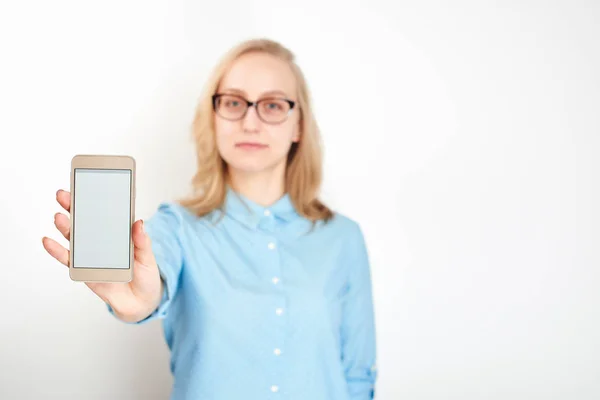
(462, 136)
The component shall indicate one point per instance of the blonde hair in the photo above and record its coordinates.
(304, 162)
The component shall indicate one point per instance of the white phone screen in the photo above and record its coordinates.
(101, 218)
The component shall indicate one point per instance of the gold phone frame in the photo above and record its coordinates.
(95, 274)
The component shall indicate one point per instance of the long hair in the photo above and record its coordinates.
(304, 161)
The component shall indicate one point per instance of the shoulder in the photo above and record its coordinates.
(345, 227)
(343, 222)
(172, 216)
(348, 234)
(167, 212)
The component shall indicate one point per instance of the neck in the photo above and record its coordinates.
(264, 188)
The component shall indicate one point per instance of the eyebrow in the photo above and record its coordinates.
(268, 92)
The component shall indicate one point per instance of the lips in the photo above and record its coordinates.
(251, 145)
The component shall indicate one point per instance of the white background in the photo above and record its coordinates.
(463, 137)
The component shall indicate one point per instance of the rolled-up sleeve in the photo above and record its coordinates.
(164, 229)
(358, 322)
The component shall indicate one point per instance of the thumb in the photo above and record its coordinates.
(142, 244)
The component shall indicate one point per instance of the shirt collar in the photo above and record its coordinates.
(251, 213)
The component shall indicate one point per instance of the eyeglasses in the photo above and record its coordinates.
(269, 110)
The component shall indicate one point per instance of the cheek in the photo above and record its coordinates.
(280, 142)
(225, 132)
(282, 137)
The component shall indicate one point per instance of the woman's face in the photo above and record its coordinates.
(256, 139)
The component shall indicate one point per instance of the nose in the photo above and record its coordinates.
(251, 122)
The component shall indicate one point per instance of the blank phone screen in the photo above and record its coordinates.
(101, 218)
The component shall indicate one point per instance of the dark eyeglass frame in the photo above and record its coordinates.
(254, 104)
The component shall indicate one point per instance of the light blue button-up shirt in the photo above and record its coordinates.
(259, 304)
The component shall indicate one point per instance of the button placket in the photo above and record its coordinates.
(277, 350)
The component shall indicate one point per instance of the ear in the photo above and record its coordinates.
(296, 135)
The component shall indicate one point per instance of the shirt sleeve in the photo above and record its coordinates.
(164, 230)
(358, 322)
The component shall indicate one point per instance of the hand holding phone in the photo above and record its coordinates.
(108, 250)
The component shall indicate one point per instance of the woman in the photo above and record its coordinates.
(264, 292)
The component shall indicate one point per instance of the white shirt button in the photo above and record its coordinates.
(274, 388)
(277, 352)
(267, 213)
(271, 245)
(275, 280)
(279, 311)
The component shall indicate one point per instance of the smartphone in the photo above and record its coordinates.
(102, 215)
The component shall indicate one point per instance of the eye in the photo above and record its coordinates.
(274, 106)
(231, 102)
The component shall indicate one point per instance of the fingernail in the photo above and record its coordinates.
(142, 226)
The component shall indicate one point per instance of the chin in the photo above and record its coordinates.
(252, 162)
(251, 166)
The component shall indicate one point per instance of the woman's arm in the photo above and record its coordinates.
(358, 322)
(164, 230)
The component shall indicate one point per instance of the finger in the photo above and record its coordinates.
(142, 243)
(63, 224)
(64, 199)
(56, 250)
